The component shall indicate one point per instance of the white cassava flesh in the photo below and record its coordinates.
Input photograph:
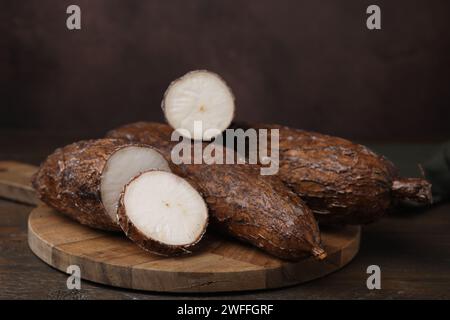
(121, 167)
(164, 209)
(199, 96)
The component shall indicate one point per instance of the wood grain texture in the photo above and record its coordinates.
(15, 182)
(221, 265)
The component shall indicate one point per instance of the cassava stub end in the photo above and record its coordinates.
(412, 190)
(319, 253)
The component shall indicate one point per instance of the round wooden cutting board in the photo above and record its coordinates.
(221, 265)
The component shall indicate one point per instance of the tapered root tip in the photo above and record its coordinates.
(415, 190)
(319, 253)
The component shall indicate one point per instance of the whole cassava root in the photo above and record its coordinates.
(256, 209)
(342, 182)
(84, 180)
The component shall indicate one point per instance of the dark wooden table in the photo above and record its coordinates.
(412, 248)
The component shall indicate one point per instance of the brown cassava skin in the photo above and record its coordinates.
(342, 182)
(256, 209)
(146, 243)
(69, 181)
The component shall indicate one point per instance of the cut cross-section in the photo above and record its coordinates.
(84, 180)
(199, 98)
(121, 167)
(162, 213)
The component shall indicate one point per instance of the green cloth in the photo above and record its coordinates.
(437, 171)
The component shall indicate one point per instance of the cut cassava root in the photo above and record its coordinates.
(199, 98)
(123, 165)
(162, 213)
(84, 180)
(342, 182)
(259, 210)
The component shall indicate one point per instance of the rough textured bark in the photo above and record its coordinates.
(342, 182)
(256, 209)
(69, 181)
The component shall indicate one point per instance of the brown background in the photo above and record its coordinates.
(311, 64)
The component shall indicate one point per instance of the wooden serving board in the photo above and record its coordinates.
(221, 265)
(15, 182)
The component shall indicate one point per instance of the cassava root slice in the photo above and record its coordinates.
(84, 180)
(199, 96)
(162, 213)
(342, 182)
(259, 210)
